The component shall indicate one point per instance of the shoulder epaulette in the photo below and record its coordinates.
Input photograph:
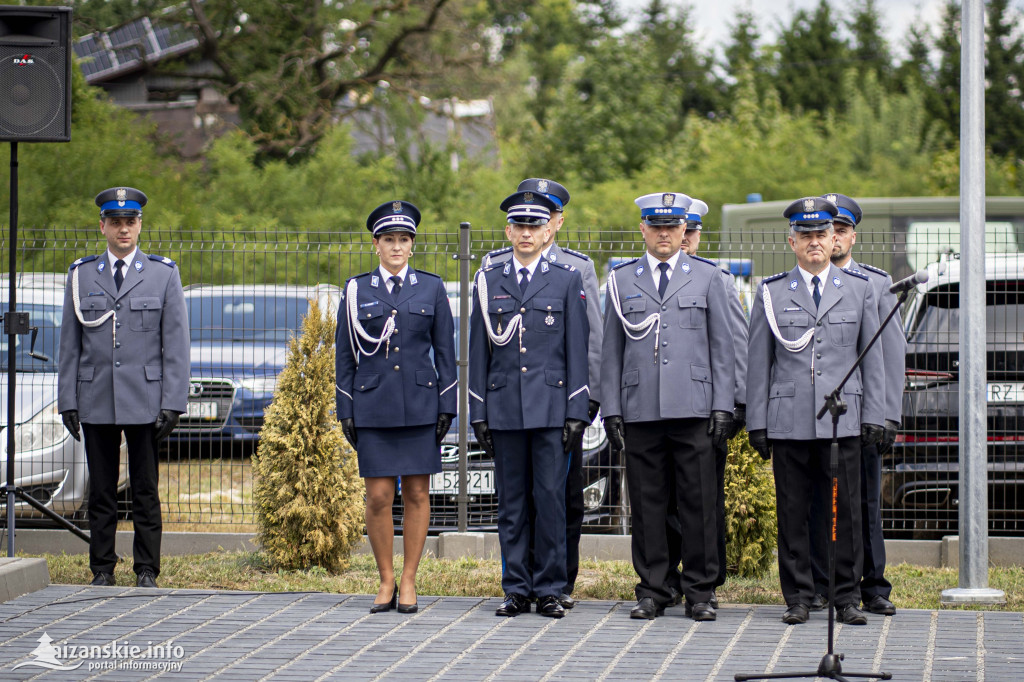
(498, 252)
(872, 268)
(705, 260)
(488, 268)
(725, 270)
(625, 263)
(161, 259)
(428, 273)
(564, 266)
(575, 253)
(84, 259)
(774, 277)
(857, 274)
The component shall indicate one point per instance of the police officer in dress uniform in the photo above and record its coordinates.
(529, 397)
(396, 392)
(807, 328)
(874, 587)
(738, 326)
(559, 195)
(669, 350)
(124, 368)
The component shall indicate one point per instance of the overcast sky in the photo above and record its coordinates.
(713, 18)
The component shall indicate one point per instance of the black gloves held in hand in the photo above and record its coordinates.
(165, 423)
(739, 420)
(592, 407)
(444, 422)
(889, 437)
(572, 434)
(870, 434)
(71, 423)
(616, 431)
(759, 441)
(719, 428)
(348, 427)
(483, 437)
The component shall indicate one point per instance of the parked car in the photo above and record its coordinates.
(49, 464)
(921, 475)
(239, 336)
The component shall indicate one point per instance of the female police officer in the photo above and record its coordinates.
(396, 393)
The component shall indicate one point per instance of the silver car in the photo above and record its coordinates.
(49, 464)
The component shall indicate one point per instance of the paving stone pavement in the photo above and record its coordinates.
(202, 634)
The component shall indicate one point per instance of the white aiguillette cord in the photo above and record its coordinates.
(76, 297)
(651, 321)
(769, 312)
(356, 326)
(514, 324)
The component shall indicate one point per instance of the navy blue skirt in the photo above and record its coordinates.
(399, 451)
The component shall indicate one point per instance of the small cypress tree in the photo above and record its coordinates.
(751, 524)
(307, 490)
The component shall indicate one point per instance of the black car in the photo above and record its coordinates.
(920, 487)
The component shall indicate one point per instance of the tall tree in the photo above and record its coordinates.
(870, 50)
(744, 53)
(1004, 76)
(945, 107)
(812, 59)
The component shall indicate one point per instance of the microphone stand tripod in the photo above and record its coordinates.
(830, 665)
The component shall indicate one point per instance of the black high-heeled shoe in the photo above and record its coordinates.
(408, 608)
(386, 606)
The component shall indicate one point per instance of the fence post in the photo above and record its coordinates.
(464, 256)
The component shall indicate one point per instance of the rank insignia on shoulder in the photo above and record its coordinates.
(793, 285)
(161, 259)
(774, 277)
(705, 260)
(872, 268)
(859, 275)
(625, 263)
(836, 282)
(575, 253)
(83, 259)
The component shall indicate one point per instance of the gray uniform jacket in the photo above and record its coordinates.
(738, 326)
(784, 390)
(136, 363)
(693, 369)
(585, 266)
(892, 340)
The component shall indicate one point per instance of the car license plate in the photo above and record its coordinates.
(479, 482)
(201, 410)
(1006, 392)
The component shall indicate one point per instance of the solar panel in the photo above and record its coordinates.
(125, 48)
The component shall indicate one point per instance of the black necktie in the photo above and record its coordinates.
(817, 294)
(663, 281)
(524, 279)
(396, 286)
(118, 277)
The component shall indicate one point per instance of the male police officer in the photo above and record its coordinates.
(669, 352)
(874, 587)
(528, 398)
(559, 195)
(807, 328)
(124, 367)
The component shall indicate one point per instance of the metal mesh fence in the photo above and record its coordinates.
(247, 290)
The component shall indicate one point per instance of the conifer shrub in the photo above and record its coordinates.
(307, 490)
(751, 524)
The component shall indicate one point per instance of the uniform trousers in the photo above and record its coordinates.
(675, 535)
(573, 517)
(802, 471)
(662, 456)
(102, 451)
(531, 466)
(873, 583)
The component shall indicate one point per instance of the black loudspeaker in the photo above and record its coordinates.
(35, 74)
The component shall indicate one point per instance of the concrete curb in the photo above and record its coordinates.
(21, 575)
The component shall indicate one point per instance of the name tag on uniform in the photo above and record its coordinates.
(497, 298)
(363, 305)
(792, 310)
(633, 296)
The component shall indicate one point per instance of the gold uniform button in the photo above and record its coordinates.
(397, 368)
(524, 370)
(430, 383)
(549, 308)
(397, 349)
(559, 382)
(522, 350)
(522, 310)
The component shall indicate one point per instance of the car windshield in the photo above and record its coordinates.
(245, 317)
(47, 318)
(937, 326)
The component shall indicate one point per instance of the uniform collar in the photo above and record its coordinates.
(532, 267)
(653, 262)
(111, 258)
(386, 276)
(822, 276)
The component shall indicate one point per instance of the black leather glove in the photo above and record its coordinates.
(483, 437)
(165, 423)
(444, 422)
(889, 437)
(592, 407)
(870, 434)
(71, 423)
(739, 420)
(572, 434)
(719, 428)
(348, 427)
(616, 430)
(759, 441)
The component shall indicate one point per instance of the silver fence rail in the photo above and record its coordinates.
(247, 292)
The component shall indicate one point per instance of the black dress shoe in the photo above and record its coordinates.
(714, 600)
(851, 615)
(388, 605)
(550, 607)
(103, 579)
(145, 578)
(408, 608)
(566, 601)
(700, 611)
(796, 614)
(819, 602)
(880, 605)
(513, 605)
(646, 608)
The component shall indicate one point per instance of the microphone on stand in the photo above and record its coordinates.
(908, 283)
